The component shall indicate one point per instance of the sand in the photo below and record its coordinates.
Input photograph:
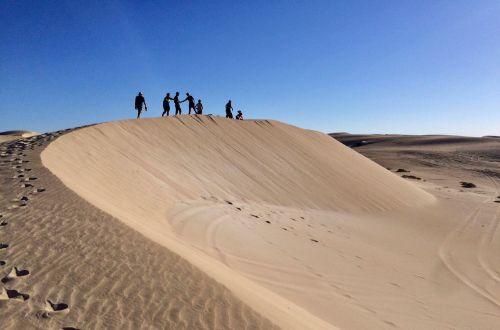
(14, 135)
(206, 223)
(89, 271)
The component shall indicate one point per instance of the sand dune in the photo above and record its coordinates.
(301, 231)
(444, 163)
(259, 197)
(66, 264)
(13, 135)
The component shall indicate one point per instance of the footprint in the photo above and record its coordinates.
(267, 221)
(314, 240)
(2, 263)
(39, 190)
(3, 246)
(230, 203)
(255, 216)
(15, 274)
(69, 328)
(16, 206)
(26, 185)
(6, 294)
(31, 178)
(54, 309)
(3, 223)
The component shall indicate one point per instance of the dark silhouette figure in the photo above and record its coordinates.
(166, 105)
(239, 116)
(229, 110)
(177, 104)
(199, 108)
(190, 100)
(139, 101)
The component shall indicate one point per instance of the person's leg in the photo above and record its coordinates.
(138, 113)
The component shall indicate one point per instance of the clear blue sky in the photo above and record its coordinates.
(358, 66)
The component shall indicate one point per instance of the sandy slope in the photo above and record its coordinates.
(307, 232)
(299, 227)
(469, 250)
(108, 275)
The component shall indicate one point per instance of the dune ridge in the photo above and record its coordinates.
(142, 171)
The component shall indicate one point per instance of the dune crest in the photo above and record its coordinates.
(169, 177)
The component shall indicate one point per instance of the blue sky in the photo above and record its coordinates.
(413, 67)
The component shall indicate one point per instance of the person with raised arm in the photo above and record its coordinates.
(190, 100)
(177, 104)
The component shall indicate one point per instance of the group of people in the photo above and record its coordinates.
(140, 105)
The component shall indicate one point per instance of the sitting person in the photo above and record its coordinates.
(239, 116)
(199, 108)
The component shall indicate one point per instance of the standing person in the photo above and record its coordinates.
(229, 110)
(177, 104)
(166, 105)
(190, 100)
(239, 116)
(199, 108)
(139, 101)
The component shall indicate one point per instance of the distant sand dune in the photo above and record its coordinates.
(12, 135)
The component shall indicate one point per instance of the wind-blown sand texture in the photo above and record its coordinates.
(86, 270)
(304, 231)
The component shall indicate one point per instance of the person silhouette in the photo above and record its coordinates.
(229, 110)
(166, 105)
(190, 100)
(199, 108)
(177, 104)
(139, 101)
(239, 116)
